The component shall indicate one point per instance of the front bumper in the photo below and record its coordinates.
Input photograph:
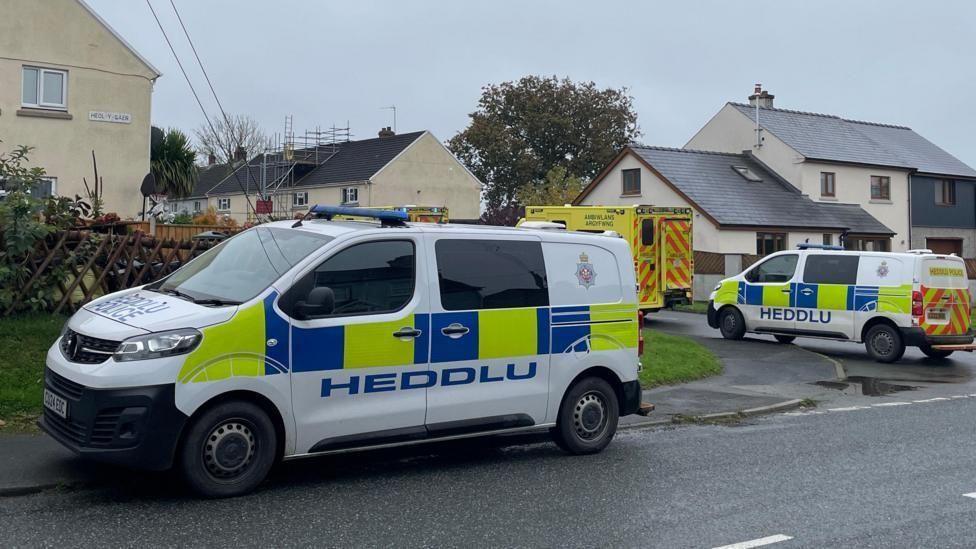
(712, 315)
(915, 337)
(631, 401)
(137, 427)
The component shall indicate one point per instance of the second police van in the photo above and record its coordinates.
(888, 301)
(315, 337)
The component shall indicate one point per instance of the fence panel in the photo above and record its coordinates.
(181, 232)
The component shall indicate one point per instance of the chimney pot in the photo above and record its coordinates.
(240, 153)
(762, 97)
(386, 132)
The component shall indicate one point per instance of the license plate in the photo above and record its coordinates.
(56, 404)
(937, 314)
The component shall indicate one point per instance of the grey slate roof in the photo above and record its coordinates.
(828, 137)
(353, 161)
(708, 180)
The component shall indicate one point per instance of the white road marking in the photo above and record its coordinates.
(769, 540)
(847, 409)
(892, 404)
(970, 495)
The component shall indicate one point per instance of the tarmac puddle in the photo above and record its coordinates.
(868, 386)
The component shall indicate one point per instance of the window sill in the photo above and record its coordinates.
(879, 201)
(940, 205)
(627, 195)
(350, 204)
(44, 113)
(829, 198)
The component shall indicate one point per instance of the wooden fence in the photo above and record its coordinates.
(181, 232)
(98, 264)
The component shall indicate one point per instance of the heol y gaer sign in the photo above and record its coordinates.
(796, 315)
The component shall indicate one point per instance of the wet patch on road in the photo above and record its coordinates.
(867, 386)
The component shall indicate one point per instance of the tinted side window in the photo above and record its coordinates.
(830, 269)
(647, 232)
(368, 278)
(491, 274)
(777, 269)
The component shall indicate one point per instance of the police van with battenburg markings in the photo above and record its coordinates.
(305, 338)
(886, 300)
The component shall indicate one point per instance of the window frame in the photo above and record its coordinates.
(346, 192)
(784, 237)
(884, 184)
(755, 268)
(295, 201)
(945, 187)
(828, 239)
(196, 206)
(39, 89)
(220, 201)
(828, 180)
(643, 228)
(623, 182)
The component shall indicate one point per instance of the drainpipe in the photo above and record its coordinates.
(910, 172)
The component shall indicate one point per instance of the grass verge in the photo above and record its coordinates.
(24, 341)
(670, 359)
(699, 307)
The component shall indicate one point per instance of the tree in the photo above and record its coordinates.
(228, 139)
(172, 163)
(521, 130)
(558, 188)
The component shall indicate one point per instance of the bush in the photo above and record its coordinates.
(183, 218)
(210, 217)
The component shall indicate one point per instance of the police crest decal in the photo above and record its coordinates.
(585, 273)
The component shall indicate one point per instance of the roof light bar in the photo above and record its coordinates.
(808, 246)
(385, 216)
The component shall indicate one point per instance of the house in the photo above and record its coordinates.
(388, 170)
(903, 180)
(207, 178)
(741, 207)
(70, 85)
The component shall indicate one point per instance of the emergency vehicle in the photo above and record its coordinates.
(421, 214)
(660, 241)
(886, 300)
(317, 336)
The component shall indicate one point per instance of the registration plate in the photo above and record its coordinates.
(937, 314)
(56, 404)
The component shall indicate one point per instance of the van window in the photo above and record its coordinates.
(647, 232)
(776, 269)
(830, 269)
(369, 278)
(491, 274)
(881, 270)
(944, 273)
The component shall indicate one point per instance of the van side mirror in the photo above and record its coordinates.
(320, 302)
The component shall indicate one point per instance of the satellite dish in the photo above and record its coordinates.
(148, 186)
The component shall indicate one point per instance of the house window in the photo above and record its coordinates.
(45, 88)
(350, 195)
(828, 239)
(299, 200)
(223, 204)
(631, 179)
(945, 192)
(827, 184)
(746, 173)
(767, 243)
(862, 244)
(196, 206)
(880, 187)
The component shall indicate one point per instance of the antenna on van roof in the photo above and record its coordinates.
(808, 246)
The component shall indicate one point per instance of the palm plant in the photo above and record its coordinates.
(173, 164)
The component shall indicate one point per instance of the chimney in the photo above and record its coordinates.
(212, 159)
(761, 98)
(386, 132)
(240, 153)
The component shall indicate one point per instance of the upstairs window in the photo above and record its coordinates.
(44, 88)
(945, 193)
(827, 188)
(350, 195)
(223, 204)
(299, 200)
(631, 181)
(880, 187)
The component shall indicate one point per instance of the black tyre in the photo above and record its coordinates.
(883, 342)
(784, 339)
(731, 323)
(228, 450)
(587, 417)
(933, 353)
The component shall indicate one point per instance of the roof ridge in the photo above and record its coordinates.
(881, 124)
(791, 111)
(678, 149)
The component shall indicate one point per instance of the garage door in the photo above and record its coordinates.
(945, 245)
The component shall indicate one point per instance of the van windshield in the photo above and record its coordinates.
(240, 267)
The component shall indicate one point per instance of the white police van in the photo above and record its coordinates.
(304, 338)
(887, 300)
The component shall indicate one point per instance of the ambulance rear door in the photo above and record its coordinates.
(677, 252)
(945, 295)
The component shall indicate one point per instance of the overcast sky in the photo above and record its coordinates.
(326, 62)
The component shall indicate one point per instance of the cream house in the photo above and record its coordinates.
(389, 170)
(70, 85)
(835, 160)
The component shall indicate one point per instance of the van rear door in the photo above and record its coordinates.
(945, 295)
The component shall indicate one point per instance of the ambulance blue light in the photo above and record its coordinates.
(328, 212)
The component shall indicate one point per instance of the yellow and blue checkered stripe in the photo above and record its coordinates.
(837, 297)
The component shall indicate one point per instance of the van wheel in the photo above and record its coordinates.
(784, 339)
(933, 353)
(228, 450)
(587, 417)
(731, 323)
(884, 343)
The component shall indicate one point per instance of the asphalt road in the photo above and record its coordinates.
(879, 476)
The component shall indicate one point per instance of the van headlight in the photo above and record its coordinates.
(161, 344)
(717, 287)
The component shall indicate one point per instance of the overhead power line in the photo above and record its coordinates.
(199, 62)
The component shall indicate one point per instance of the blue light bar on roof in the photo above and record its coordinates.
(329, 212)
(808, 246)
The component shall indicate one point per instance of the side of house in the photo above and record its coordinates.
(66, 95)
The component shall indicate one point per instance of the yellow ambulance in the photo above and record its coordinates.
(659, 238)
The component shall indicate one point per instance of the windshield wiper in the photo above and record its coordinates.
(217, 302)
(177, 293)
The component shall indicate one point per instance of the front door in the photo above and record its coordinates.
(767, 292)
(360, 371)
(489, 334)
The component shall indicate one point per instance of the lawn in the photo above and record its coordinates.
(670, 359)
(24, 341)
(700, 307)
